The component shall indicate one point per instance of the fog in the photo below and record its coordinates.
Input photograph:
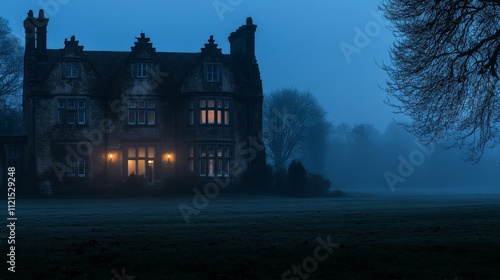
(362, 158)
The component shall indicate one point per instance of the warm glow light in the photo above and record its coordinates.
(168, 157)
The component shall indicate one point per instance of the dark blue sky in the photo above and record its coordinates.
(330, 48)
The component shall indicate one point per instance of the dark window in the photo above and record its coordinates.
(191, 159)
(214, 159)
(191, 112)
(76, 168)
(141, 112)
(13, 157)
(141, 70)
(12, 152)
(71, 111)
(212, 71)
(71, 69)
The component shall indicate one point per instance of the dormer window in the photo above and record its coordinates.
(212, 72)
(141, 70)
(71, 69)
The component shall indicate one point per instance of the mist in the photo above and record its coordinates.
(362, 158)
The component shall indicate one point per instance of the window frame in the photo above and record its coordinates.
(71, 69)
(213, 160)
(72, 111)
(141, 70)
(219, 112)
(148, 158)
(139, 112)
(213, 72)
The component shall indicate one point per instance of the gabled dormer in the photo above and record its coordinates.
(143, 58)
(72, 56)
(212, 65)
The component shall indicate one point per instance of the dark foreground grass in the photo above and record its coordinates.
(252, 237)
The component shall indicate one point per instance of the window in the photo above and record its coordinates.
(207, 161)
(12, 152)
(212, 71)
(71, 69)
(141, 70)
(214, 159)
(191, 159)
(73, 166)
(141, 112)
(71, 111)
(191, 112)
(141, 162)
(76, 168)
(13, 157)
(214, 111)
(224, 161)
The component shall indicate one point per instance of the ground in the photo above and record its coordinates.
(255, 237)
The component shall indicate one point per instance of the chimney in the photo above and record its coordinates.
(41, 31)
(243, 40)
(29, 31)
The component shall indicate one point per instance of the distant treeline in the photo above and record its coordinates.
(361, 157)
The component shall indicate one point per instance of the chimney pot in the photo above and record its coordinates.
(41, 14)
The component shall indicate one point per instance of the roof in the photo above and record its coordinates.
(106, 63)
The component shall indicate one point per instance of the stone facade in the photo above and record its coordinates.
(100, 117)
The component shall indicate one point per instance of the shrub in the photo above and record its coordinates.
(297, 176)
(318, 186)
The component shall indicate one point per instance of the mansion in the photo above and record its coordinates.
(101, 117)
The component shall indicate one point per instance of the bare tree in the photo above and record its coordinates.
(444, 72)
(11, 61)
(295, 127)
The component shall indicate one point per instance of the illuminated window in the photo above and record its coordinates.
(71, 111)
(141, 112)
(141, 162)
(214, 111)
(211, 111)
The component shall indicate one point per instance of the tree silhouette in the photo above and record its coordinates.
(444, 72)
(295, 127)
(11, 61)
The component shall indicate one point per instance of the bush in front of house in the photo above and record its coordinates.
(297, 181)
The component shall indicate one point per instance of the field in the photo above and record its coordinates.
(256, 237)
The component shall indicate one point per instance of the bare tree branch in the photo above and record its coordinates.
(11, 62)
(444, 69)
(294, 122)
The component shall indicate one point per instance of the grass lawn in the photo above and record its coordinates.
(255, 237)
